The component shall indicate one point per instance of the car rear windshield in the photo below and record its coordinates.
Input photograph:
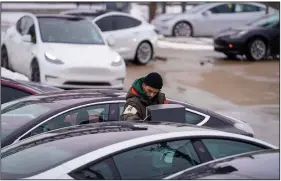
(21, 113)
(69, 30)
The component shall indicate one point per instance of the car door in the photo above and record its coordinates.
(82, 115)
(148, 162)
(125, 31)
(28, 47)
(14, 44)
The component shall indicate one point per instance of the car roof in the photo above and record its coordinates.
(113, 129)
(248, 165)
(39, 88)
(86, 11)
(63, 16)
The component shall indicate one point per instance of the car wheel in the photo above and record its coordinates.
(4, 58)
(230, 56)
(257, 49)
(144, 53)
(182, 29)
(35, 72)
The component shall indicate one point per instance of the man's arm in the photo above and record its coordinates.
(130, 112)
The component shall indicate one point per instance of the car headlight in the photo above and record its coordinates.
(49, 57)
(244, 127)
(117, 61)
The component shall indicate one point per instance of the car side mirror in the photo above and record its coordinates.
(110, 41)
(206, 13)
(26, 38)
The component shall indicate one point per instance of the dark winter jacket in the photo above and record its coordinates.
(137, 101)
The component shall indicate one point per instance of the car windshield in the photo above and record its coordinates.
(21, 113)
(266, 21)
(72, 30)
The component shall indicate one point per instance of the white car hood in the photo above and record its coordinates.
(81, 54)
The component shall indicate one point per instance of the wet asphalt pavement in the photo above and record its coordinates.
(241, 89)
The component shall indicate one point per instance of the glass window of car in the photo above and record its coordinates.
(193, 118)
(244, 8)
(223, 8)
(19, 114)
(219, 148)
(83, 115)
(106, 23)
(9, 94)
(124, 22)
(156, 161)
(104, 170)
(74, 30)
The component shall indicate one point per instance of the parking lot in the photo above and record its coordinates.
(239, 88)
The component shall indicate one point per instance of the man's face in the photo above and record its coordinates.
(150, 91)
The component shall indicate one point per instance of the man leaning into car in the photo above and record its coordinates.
(144, 92)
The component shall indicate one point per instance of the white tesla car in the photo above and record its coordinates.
(63, 51)
(134, 38)
(207, 19)
(122, 150)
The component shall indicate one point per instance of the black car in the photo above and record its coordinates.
(15, 89)
(257, 40)
(36, 114)
(257, 165)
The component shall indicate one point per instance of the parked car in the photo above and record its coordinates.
(104, 150)
(257, 40)
(40, 113)
(209, 18)
(133, 38)
(63, 51)
(237, 167)
(15, 89)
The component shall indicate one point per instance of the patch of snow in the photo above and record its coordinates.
(12, 75)
(183, 46)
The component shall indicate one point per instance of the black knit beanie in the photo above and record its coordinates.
(154, 80)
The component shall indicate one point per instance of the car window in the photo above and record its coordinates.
(193, 118)
(72, 30)
(106, 24)
(121, 108)
(9, 94)
(15, 116)
(223, 8)
(156, 161)
(124, 22)
(104, 170)
(83, 115)
(219, 148)
(243, 8)
(30, 29)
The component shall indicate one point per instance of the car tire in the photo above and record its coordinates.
(184, 26)
(144, 53)
(4, 58)
(35, 72)
(230, 56)
(256, 49)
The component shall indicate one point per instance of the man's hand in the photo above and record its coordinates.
(129, 113)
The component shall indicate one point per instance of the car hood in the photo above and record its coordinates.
(81, 54)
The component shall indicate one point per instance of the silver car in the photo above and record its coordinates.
(209, 18)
